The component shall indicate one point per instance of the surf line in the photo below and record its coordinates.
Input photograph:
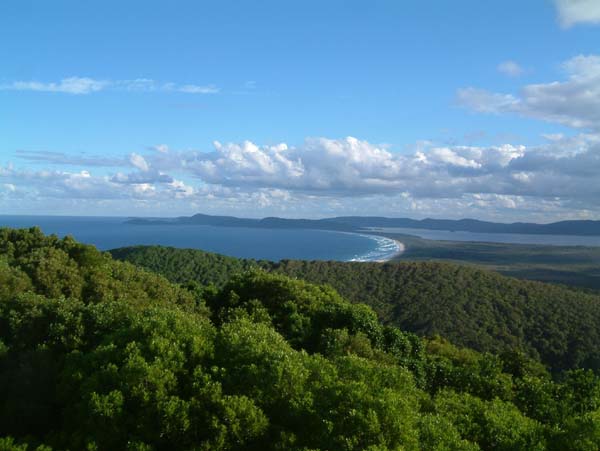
(386, 250)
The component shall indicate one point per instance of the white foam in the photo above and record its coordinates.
(386, 249)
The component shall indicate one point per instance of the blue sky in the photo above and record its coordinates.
(412, 108)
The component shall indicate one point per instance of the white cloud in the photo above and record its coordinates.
(346, 167)
(483, 101)
(138, 84)
(571, 12)
(139, 162)
(574, 102)
(84, 185)
(319, 164)
(182, 190)
(510, 68)
(338, 176)
(149, 85)
(71, 85)
(452, 158)
(162, 148)
(196, 89)
(85, 85)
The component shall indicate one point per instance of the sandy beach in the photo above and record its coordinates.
(401, 249)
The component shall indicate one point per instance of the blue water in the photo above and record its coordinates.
(514, 238)
(268, 244)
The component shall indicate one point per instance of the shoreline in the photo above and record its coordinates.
(400, 248)
(400, 251)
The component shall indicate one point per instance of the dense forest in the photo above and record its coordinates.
(99, 354)
(470, 307)
(575, 266)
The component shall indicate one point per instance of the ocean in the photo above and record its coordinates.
(264, 244)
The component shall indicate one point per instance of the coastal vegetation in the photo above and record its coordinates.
(576, 266)
(475, 308)
(99, 354)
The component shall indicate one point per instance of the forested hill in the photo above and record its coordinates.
(232, 221)
(574, 227)
(471, 307)
(353, 223)
(98, 354)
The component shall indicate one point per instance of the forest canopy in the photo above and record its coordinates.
(470, 307)
(100, 354)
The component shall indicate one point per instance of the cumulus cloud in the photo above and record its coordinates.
(510, 68)
(564, 171)
(346, 167)
(573, 102)
(571, 12)
(85, 85)
(318, 165)
(139, 162)
(343, 176)
(85, 185)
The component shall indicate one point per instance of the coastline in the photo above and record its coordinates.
(399, 252)
(380, 254)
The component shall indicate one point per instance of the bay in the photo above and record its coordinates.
(268, 244)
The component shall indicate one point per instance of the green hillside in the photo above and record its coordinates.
(101, 355)
(471, 307)
(577, 266)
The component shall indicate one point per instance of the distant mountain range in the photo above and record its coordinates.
(356, 223)
(265, 223)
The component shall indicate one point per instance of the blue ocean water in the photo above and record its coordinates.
(268, 244)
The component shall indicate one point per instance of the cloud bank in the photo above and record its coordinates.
(341, 176)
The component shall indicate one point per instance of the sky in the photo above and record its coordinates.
(487, 110)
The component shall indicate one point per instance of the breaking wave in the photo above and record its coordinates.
(385, 249)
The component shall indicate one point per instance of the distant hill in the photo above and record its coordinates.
(232, 221)
(353, 223)
(575, 227)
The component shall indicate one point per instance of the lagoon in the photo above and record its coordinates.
(512, 238)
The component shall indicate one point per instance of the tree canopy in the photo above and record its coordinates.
(101, 355)
(470, 307)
